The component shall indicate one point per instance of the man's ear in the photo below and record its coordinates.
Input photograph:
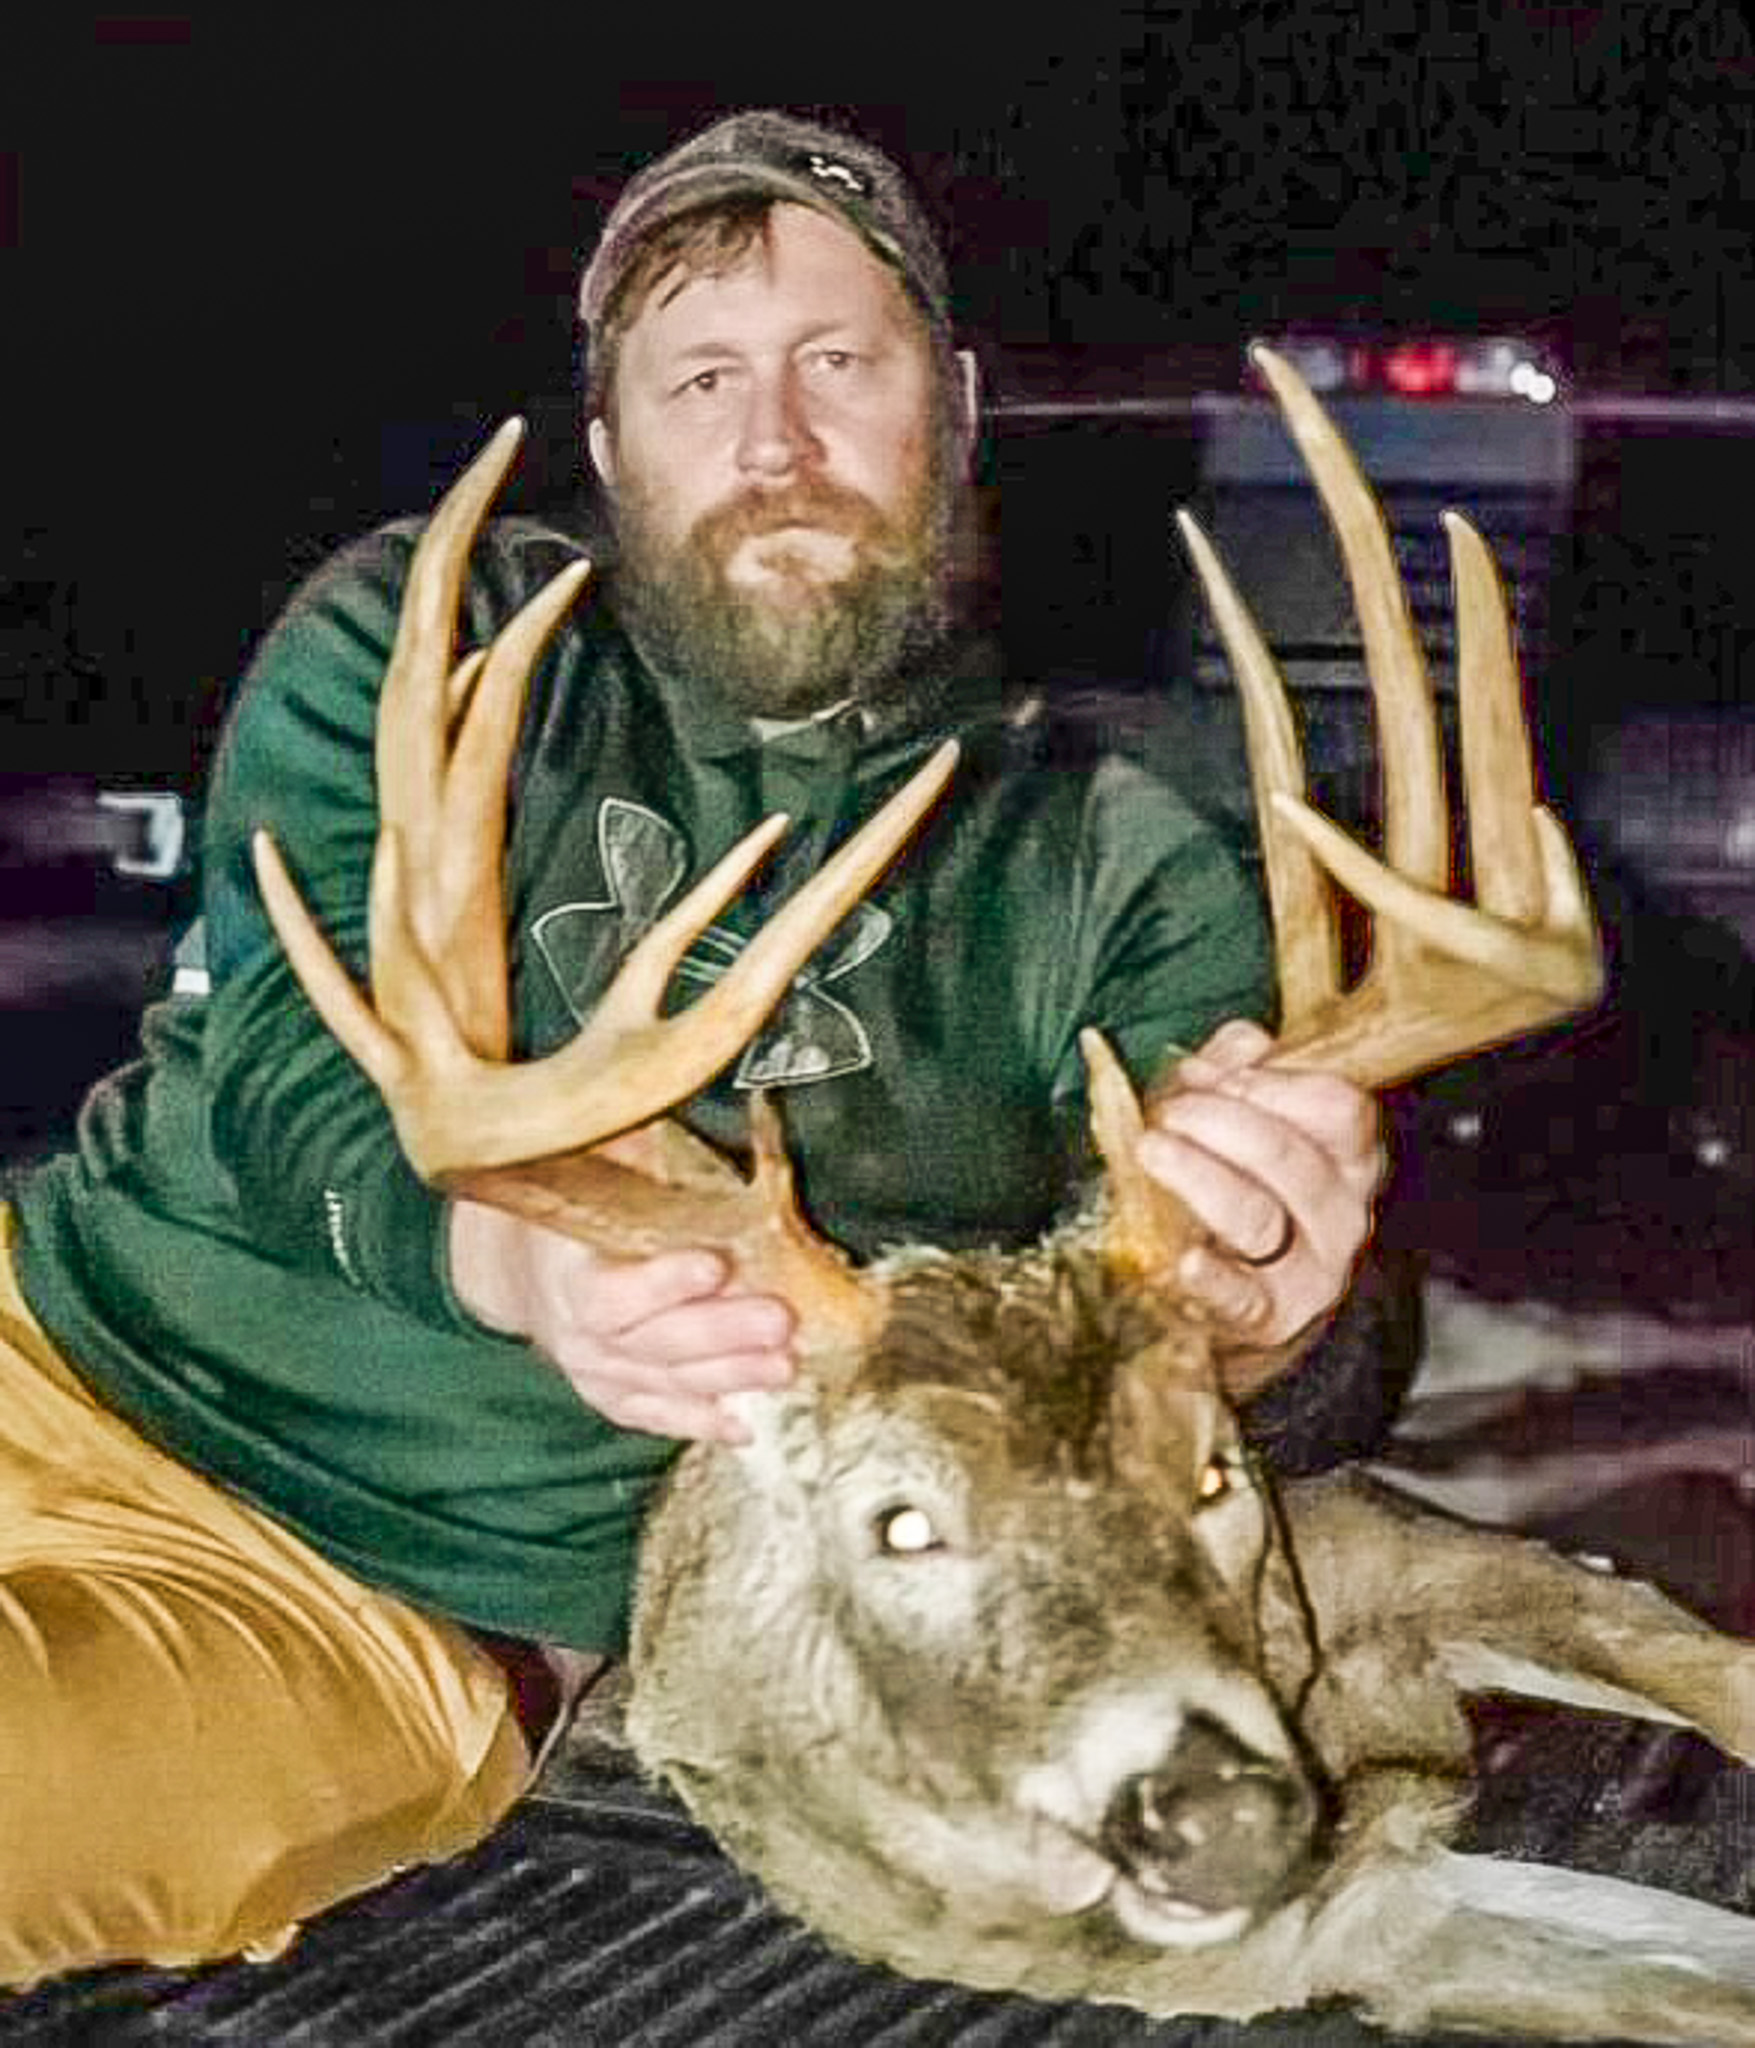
(602, 452)
(969, 395)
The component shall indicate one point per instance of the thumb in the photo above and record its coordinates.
(1236, 1044)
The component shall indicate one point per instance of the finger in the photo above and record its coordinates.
(1296, 1142)
(1254, 1164)
(1234, 1046)
(1344, 1119)
(694, 1418)
(1234, 1296)
(739, 1372)
(608, 1296)
(614, 1375)
(717, 1327)
(1249, 1218)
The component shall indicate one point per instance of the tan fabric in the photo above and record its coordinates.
(207, 1733)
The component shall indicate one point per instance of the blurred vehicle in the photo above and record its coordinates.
(96, 881)
(1610, 1162)
(1607, 514)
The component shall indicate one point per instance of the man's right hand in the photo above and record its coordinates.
(652, 1344)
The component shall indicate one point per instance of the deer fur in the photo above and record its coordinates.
(923, 1752)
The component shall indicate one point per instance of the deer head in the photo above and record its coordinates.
(988, 1637)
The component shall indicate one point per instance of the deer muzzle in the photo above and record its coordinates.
(1215, 1828)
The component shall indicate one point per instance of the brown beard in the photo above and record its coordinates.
(832, 640)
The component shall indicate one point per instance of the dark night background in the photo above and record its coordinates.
(268, 279)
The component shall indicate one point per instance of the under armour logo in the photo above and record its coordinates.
(812, 1036)
(829, 170)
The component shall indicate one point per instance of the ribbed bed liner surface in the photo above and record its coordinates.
(604, 1920)
(599, 1916)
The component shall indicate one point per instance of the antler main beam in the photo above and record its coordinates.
(1446, 977)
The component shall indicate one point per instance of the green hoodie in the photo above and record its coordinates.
(236, 1256)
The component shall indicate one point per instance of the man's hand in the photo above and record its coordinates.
(652, 1344)
(1282, 1168)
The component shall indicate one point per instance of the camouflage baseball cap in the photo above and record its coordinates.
(764, 151)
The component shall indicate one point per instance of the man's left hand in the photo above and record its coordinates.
(1282, 1168)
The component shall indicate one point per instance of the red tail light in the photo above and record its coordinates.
(1421, 366)
(1420, 369)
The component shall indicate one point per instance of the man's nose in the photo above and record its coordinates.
(777, 434)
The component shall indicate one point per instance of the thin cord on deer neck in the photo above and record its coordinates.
(1279, 1532)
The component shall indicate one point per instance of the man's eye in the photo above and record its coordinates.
(704, 381)
(836, 360)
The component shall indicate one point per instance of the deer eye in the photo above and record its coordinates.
(907, 1532)
(1217, 1482)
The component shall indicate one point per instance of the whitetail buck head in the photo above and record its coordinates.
(988, 1653)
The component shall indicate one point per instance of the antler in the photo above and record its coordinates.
(435, 1036)
(1446, 977)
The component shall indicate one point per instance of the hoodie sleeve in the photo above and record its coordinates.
(320, 1177)
(1173, 935)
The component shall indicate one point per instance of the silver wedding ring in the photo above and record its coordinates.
(1288, 1237)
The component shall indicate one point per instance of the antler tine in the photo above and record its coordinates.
(443, 797)
(1498, 773)
(436, 927)
(461, 878)
(1458, 976)
(727, 1015)
(1416, 833)
(1307, 943)
(690, 1194)
(435, 1041)
(411, 739)
(1145, 1227)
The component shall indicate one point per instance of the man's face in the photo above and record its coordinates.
(778, 468)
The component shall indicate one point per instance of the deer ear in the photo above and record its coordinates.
(1166, 1417)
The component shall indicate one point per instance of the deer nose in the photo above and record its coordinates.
(1214, 1826)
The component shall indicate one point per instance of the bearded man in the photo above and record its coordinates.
(317, 1487)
